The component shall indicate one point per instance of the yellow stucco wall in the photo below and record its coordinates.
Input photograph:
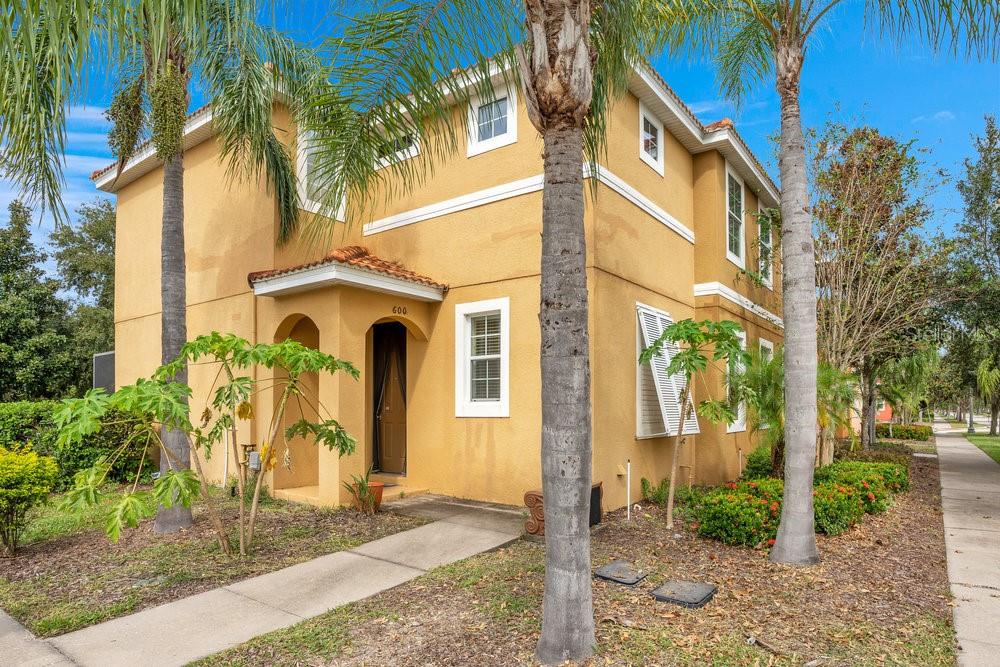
(485, 252)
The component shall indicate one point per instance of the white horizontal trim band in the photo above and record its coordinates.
(728, 293)
(331, 275)
(516, 189)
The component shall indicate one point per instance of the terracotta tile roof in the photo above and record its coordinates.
(356, 257)
(720, 125)
(103, 170)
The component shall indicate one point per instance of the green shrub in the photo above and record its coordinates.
(904, 431)
(758, 463)
(877, 455)
(873, 481)
(736, 517)
(655, 494)
(770, 489)
(26, 479)
(836, 507)
(30, 423)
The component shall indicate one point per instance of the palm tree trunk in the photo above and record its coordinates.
(567, 613)
(173, 323)
(796, 540)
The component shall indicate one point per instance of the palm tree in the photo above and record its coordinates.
(393, 83)
(751, 40)
(155, 48)
(988, 382)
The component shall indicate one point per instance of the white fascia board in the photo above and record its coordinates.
(331, 275)
(196, 129)
(731, 295)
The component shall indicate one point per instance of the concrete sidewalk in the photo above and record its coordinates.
(970, 498)
(197, 626)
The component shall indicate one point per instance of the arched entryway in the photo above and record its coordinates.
(298, 459)
(388, 445)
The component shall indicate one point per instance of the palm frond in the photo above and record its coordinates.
(962, 27)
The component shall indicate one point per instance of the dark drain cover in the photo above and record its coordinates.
(690, 594)
(620, 572)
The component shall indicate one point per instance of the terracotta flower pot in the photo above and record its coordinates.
(376, 490)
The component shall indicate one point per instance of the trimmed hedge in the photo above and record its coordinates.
(836, 507)
(30, 423)
(873, 481)
(904, 431)
(736, 517)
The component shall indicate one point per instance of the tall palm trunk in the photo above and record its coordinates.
(796, 540)
(558, 82)
(173, 323)
(567, 614)
(869, 391)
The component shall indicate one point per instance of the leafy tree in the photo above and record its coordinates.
(36, 360)
(400, 73)
(85, 260)
(749, 41)
(154, 49)
(160, 404)
(880, 280)
(694, 348)
(978, 269)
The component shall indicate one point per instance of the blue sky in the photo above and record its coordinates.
(850, 75)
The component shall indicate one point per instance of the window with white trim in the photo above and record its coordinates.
(734, 220)
(735, 366)
(765, 246)
(492, 122)
(482, 358)
(657, 409)
(308, 178)
(650, 139)
(391, 152)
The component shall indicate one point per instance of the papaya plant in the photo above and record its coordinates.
(162, 403)
(695, 347)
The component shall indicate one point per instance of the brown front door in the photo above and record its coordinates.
(390, 342)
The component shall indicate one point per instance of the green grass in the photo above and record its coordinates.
(988, 443)
(48, 522)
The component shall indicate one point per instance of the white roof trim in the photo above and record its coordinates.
(676, 118)
(329, 275)
(197, 129)
(728, 293)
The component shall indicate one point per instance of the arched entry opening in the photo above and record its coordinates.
(298, 459)
(388, 403)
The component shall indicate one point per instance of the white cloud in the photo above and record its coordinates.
(708, 106)
(84, 164)
(87, 141)
(943, 116)
(86, 114)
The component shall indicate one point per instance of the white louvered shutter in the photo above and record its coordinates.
(652, 323)
(650, 417)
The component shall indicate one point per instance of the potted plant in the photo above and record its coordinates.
(366, 494)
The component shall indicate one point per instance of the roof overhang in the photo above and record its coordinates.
(331, 275)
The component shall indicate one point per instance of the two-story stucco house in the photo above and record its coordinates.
(435, 297)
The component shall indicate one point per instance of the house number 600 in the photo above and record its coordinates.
(399, 310)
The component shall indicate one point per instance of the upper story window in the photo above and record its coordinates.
(309, 178)
(482, 358)
(492, 122)
(766, 249)
(400, 149)
(734, 220)
(650, 139)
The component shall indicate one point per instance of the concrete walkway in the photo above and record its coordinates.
(970, 497)
(194, 627)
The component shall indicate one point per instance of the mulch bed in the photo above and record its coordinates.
(879, 597)
(61, 584)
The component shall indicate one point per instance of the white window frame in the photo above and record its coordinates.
(464, 405)
(765, 344)
(657, 163)
(301, 175)
(738, 260)
(740, 424)
(768, 279)
(412, 151)
(477, 147)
